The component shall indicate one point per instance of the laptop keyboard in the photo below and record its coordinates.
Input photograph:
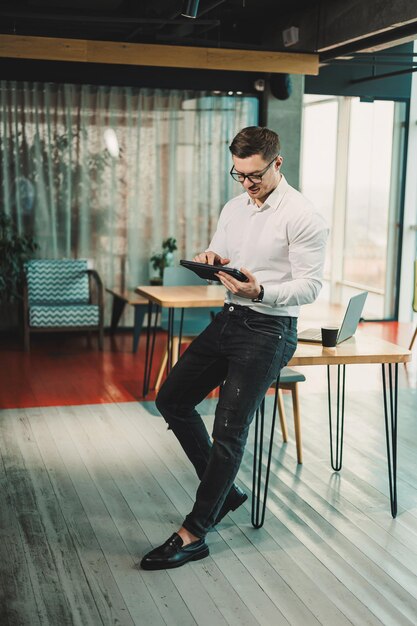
(310, 333)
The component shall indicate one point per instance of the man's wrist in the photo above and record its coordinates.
(260, 295)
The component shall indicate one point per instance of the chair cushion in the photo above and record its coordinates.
(289, 375)
(57, 281)
(64, 315)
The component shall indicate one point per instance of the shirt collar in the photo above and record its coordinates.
(274, 198)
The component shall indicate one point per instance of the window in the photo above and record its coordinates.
(352, 162)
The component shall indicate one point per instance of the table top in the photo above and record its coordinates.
(187, 296)
(129, 296)
(362, 348)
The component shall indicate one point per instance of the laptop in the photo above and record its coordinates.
(349, 324)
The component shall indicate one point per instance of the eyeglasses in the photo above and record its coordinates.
(253, 178)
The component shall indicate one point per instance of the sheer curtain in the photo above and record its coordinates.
(60, 183)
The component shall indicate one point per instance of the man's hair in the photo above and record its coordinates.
(255, 140)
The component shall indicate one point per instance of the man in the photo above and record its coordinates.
(272, 233)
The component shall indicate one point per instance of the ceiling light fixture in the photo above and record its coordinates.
(191, 9)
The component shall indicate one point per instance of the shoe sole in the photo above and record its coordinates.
(194, 557)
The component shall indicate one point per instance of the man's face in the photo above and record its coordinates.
(254, 165)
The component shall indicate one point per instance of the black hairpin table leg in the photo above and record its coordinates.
(180, 333)
(390, 414)
(259, 503)
(171, 329)
(170, 338)
(150, 346)
(336, 448)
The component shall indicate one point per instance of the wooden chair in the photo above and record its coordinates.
(61, 295)
(414, 304)
(413, 339)
(289, 379)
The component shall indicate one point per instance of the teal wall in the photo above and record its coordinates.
(284, 117)
(336, 80)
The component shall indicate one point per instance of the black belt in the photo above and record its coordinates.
(230, 307)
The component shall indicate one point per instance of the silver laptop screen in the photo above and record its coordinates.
(352, 317)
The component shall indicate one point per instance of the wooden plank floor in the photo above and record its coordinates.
(87, 490)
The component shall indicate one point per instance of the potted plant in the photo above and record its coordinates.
(15, 249)
(163, 259)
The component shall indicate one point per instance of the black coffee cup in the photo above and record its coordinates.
(329, 336)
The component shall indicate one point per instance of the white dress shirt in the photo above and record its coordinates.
(282, 243)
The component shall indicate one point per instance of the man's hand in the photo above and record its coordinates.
(249, 290)
(211, 258)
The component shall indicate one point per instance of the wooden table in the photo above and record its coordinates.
(185, 296)
(361, 348)
(189, 296)
(140, 304)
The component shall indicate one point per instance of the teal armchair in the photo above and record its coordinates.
(61, 295)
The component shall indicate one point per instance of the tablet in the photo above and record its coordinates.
(204, 270)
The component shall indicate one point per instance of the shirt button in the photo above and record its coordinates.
(231, 308)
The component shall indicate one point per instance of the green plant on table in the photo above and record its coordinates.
(163, 259)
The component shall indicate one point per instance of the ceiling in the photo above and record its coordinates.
(223, 23)
(337, 26)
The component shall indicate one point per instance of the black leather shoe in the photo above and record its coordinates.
(172, 553)
(234, 499)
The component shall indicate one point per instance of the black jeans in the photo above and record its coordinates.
(246, 350)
